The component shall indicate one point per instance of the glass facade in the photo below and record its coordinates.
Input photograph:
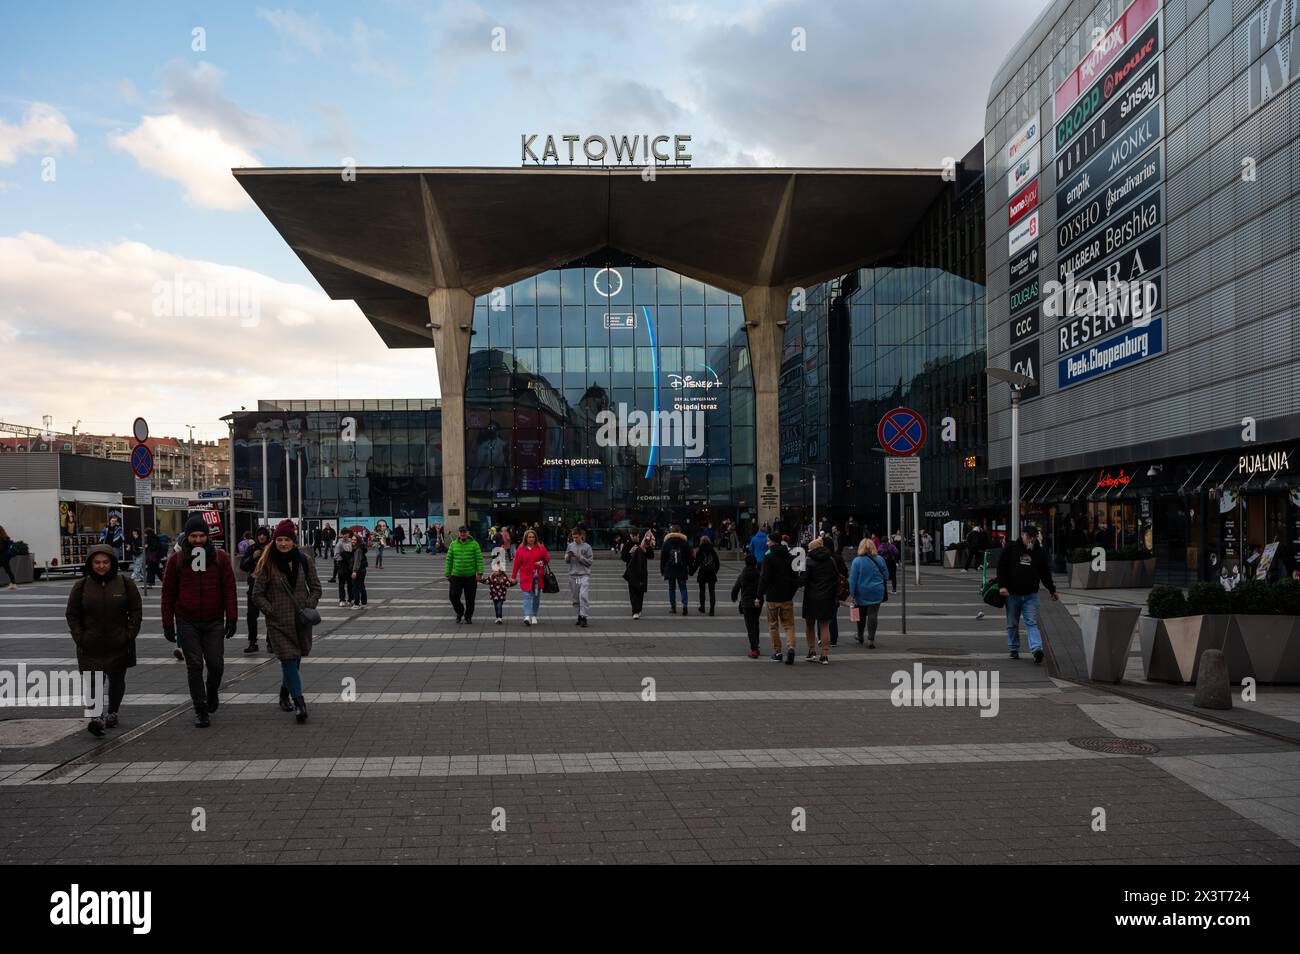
(609, 391)
(356, 461)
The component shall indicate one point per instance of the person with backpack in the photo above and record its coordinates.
(704, 567)
(252, 556)
(529, 570)
(198, 593)
(1022, 567)
(464, 571)
(749, 599)
(637, 572)
(674, 566)
(819, 600)
(104, 614)
(868, 577)
(777, 585)
(286, 585)
(579, 557)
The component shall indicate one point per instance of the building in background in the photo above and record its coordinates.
(1157, 143)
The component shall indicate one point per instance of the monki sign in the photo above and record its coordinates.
(636, 150)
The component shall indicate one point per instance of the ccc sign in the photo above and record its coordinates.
(1024, 326)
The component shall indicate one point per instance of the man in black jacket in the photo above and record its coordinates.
(1022, 567)
(249, 565)
(777, 584)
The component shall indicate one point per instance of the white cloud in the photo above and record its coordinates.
(82, 329)
(43, 130)
(199, 159)
(306, 32)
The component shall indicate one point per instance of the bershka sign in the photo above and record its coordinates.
(1136, 60)
(1024, 263)
(1025, 295)
(1103, 52)
(1110, 123)
(1023, 204)
(1024, 326)
(1023, 233)
(640, 150)
(1025, 139)
(1139, 222)
(1264, 463)
(1111, 162)
(1114, 198)
(1023, 169)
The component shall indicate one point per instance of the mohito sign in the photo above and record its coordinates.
(1137, 61)
(1104, 51)
(1111, 162)
(638, 151)
(1023, 204)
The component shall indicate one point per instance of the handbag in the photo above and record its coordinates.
(306, 615)
(549, 583)
(991, 596)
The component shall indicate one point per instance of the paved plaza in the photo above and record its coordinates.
(656, 740)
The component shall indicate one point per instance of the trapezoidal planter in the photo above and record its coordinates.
(1171, 648)
(1266, 648)
(1107, 634)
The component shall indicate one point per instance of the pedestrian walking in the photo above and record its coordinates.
(778, 584)
(249, 563)
(104, 614)
(637, 571)
(327, 545)
(464, 570)
(868, 577)
(1020, 570)
(890, 552)
(379, 550)
(360, 567)
(155, 555)
(758, 546)
(399, 541)
(418, 536)
(674, 567)
(974, 546)
(343, 566)
(505, 542)
(748, 595)
(927, 547)
(820, 581)
(287, 591)
(133, 550)
(841, 586)
(7, 548)
(112, 536)
(529, 570)
(579, 557)
(198, 594)
(704, 567)
(498, 583)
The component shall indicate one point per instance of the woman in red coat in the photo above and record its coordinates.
(527, 570)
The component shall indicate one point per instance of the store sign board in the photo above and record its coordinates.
(1024, 326)
(1103, 52)
(1023, 264)
(171, 502)
(1137, 61)
(1022, 204)
(1272, 463)
(1137, 224)
(1124, 350)
(1111, 123)
(1022, 234)
(1111, 162)
(1114, 199)
(1024, 169)
(1131, 305)
(1024, 360)
(1026, 138)
(1025, 296)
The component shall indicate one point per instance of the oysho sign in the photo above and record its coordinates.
(636, 151)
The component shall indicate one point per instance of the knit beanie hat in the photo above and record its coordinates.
(285, 528)
(195, 524)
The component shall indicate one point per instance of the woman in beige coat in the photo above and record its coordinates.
(287, 583)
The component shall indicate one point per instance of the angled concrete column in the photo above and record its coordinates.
(451, 313)
(765, 322)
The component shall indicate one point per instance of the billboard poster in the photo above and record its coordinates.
(370, 525)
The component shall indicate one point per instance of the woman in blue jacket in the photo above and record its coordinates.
(867, 577)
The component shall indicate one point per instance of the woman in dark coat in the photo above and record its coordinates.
(819, 603)
(287, 582)
(704, 567)
(746, 590)
(104, 618)
(637, 574)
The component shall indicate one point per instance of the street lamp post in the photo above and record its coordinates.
(813, 471)
(1018, 383)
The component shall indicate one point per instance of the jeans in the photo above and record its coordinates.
(673, 587)
(137, 568)
(379, 557)
(202, 643)
(533, 600)
(1028, 606)
(468, 587)
(500, 607)
(290, 676)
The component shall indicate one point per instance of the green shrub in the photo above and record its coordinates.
(1253, 598)
(1208, 598)
(21, 548)
(1129, 553)
(1166, 602)
(1079, 555)
(1286, 597)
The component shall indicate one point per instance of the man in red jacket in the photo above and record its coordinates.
(198, 599)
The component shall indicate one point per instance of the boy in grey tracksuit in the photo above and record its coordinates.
(579, 557)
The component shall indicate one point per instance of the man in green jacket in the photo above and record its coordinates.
(465, 572)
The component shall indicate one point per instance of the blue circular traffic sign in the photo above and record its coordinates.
(142, 461)
(902, 432)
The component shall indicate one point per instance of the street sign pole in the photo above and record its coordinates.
(902, 570)
(916, 532)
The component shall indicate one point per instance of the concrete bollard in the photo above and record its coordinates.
(1212, 688)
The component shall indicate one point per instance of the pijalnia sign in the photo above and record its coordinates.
(635, 151)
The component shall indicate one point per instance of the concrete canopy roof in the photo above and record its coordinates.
(390, 238)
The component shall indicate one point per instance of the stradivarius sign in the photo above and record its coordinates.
(632, 151)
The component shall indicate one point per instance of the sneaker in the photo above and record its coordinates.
(636, 615)
(872, 644)
(178, 654)
(534, 620)
(528, 621)
(499, 620)
(753, 654)
(1015, 654)
(251, 647)
(12, 587)
(96, 727)
(979, 615)
(812, 654)
(110, 721)
(826, 660)
(1038, 656)
(343, 602)
(789, 656)
(777, 657)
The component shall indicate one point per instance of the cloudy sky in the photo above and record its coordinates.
(117, 136)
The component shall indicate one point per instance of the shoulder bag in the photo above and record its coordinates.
(549, 583)
(306, 615)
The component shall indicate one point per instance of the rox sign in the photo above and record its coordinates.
(1144, 91)
(1103, 52)
(1138, 56)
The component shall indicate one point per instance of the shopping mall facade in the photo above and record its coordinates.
(690, 349)
(1158, 144)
